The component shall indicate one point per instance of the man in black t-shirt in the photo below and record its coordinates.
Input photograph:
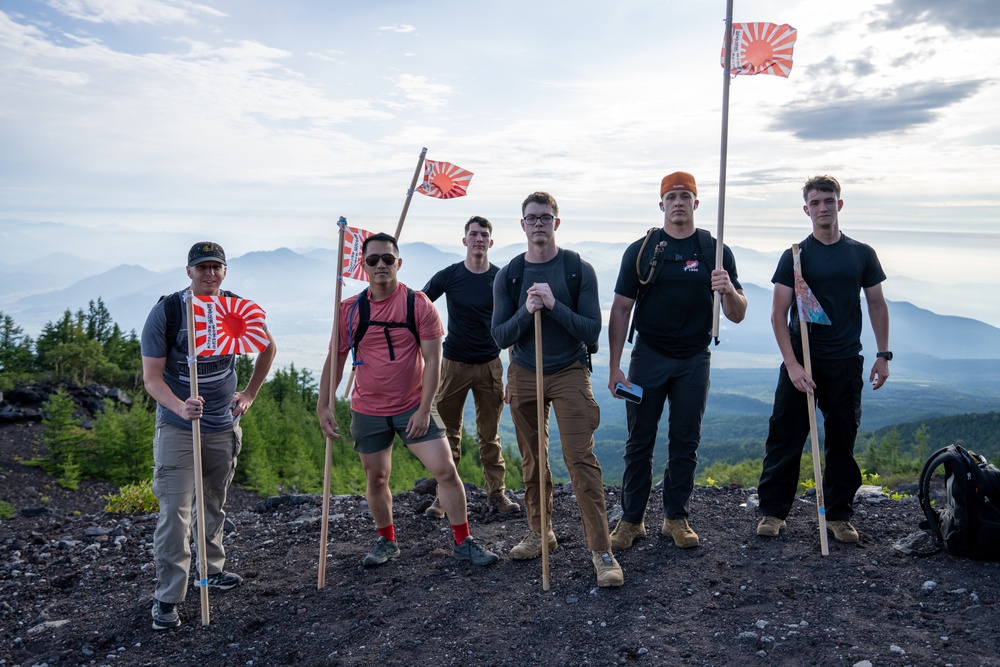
(471, 359)
(669, 277)
(836, 269)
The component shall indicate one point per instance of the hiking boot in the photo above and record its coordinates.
(435, 511)
(470, 550)
(625, 533)
(770, 526)
(684, 537)
(531, 546)
(383, 550)
(502, 504)
(843, 531)
(165, 615)
(609, 572)
(223, 581)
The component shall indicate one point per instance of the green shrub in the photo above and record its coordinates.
(135, 498)
(6, 510)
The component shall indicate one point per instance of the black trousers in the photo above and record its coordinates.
(838, 395)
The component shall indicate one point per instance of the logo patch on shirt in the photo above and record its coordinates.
(691, 265)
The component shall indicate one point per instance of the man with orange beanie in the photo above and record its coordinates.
(669, 276)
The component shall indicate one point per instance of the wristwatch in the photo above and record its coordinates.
(887, 355)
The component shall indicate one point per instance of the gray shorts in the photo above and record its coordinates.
(373, 434)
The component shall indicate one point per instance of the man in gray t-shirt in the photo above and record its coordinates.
(218, 407)
(571, 320)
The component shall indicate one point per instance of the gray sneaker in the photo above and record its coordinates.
(471, 551)
(382, 551)
(223, 581)
(165, 615)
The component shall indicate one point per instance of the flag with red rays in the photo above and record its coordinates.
(761, 48)
(228, 325)
(444, 180)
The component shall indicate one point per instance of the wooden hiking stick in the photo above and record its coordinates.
(324, 527)
(542, 451)
(399, 230)
(811, 402)
(199, 483)
(724, 150)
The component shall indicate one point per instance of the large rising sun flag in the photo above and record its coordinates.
(228, 325)
(761, 48)
(354, 239)
(444, 180)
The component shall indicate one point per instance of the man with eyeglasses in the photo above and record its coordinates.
(471, 361)
(571, 320)
(670, 276)
(397, 376)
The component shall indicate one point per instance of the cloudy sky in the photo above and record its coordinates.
(259, 123)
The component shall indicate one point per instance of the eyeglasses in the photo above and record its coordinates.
(388, 259)
(544, 219)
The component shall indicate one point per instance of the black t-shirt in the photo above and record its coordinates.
(836, 274)
(470, 312)
(674, 316)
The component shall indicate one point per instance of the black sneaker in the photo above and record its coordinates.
(165, 615)
(471, 551)
(382, 551)
(223, 581)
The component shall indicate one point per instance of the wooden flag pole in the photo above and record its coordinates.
(324, 528)
(724, 156)
(542, 449)
(813, 435)
(199, 482)
(399, 229)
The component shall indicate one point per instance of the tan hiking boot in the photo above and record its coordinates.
(502, 504)
(843, 531)
(435, 511)
(684, 537)
(609, 572)
(625, 533)
(531, 546)
(770, 526)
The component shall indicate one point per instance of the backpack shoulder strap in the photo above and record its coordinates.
(947, 455)
(411, 314)
(573, 267)
(363, 309)
(708, 247)
(515, 276)
(172, 311)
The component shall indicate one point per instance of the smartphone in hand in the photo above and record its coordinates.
(633, 393)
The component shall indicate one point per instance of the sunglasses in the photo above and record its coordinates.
(387, 259)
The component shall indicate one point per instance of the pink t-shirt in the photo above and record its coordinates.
(383, 387)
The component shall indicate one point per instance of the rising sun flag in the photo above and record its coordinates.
(444, 180)
(354, 239)
(228, 325)
(810, 309)
(761, 48)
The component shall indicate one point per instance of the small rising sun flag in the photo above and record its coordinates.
(444, 180)
(761, 48)
(354, 239)
(228, 325)
(810, 309)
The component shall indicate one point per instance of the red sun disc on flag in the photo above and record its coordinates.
(354, 239)
(228, 325)
(444, 180)
(762, 48)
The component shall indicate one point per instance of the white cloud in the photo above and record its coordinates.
(151, 12)
(401, 28)
(420, 92)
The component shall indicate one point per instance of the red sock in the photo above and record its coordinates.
(461, 531)
(389, 532)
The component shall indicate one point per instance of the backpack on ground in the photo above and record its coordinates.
(966, 522)
(648, 264)
(172, 305)
(363, 308)
(573, 267)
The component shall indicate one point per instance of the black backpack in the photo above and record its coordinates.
(573, 267)
(172, 309)
(967, 521)
(652, 261)
(363, 308)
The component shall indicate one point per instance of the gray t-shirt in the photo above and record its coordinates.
(216, 375)
(565, 333)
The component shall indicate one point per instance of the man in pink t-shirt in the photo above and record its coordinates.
(397, 377)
